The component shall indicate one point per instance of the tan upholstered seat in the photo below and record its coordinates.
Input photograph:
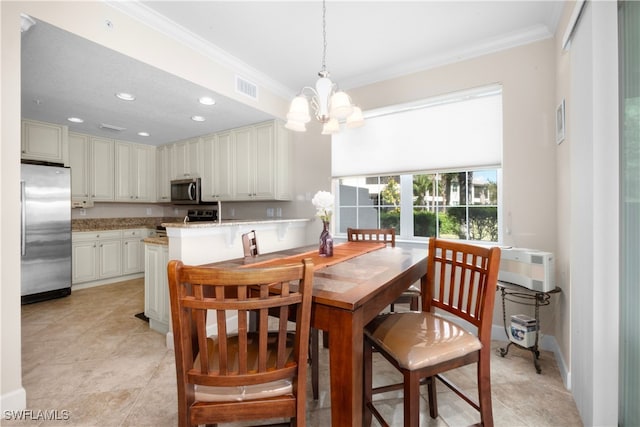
(461, 285)
(420, 339)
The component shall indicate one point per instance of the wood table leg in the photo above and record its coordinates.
(345, 367)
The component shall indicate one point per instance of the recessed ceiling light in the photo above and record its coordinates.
(198, 118)
(125, 96)
(75, 120)
(143, 133)
(206, 100)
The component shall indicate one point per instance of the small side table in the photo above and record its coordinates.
(525, 296)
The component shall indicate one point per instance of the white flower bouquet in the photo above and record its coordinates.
(323, 202)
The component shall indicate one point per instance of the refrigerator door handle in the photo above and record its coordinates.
(23, 219)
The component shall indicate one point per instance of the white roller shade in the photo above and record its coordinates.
(456, 132)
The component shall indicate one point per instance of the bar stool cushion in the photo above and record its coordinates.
(420, 339)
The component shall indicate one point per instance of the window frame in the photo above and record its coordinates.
(406, 203)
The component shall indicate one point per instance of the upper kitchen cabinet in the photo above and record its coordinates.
(135, 172)
(163, 173)
(102, 169)
(186, 159)
(262, 162)
(217, 175)
(92, 169)
(45, 142)
(80, 153)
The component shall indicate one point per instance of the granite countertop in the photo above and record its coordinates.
(164, 241)
(97, 224)
(230, 222)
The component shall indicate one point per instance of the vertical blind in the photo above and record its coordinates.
(461, 130)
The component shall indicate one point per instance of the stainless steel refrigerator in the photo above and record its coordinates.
(45, 232)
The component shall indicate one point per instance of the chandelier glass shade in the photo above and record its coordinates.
(331, 106)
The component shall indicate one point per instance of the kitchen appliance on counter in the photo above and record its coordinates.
(45, 235)
(194, 215)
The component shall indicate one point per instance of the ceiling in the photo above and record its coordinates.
(275, 44)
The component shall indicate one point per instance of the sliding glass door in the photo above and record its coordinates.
(629, 50)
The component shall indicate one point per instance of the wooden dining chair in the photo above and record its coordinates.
(250, 244)
(250, 247)
(240, 375)
(388, 236)
(460, 288)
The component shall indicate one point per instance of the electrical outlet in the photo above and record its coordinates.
(270, 212)
(149, 211)
(83, 212)
(279, 212)
(232, 212)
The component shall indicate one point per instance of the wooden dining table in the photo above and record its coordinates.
(349, 290)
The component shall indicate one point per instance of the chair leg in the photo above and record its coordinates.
(433, 397)
(411, 399)
(315, 362)
(413, 304)
(484, 389)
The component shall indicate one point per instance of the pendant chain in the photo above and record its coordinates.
(324, 36)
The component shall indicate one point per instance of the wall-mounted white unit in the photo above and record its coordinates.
(529, 268)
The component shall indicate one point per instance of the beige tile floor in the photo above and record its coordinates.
(87, 357)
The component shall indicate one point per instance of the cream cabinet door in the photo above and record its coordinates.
(80, 162)
(186, 158)
(45, 141)
(156, 287)
(217, 176)
(244, 140)
(163, 174)
(135, 166)
(109, 258)
(145, 168)
(265, 168)
(84, 261)
(102, 169)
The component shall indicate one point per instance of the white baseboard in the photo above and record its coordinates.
(108, 281)
(15, 400)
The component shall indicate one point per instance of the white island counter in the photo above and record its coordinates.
(197, 243)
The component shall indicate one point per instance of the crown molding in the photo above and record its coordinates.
(162, 24)
(485, 47)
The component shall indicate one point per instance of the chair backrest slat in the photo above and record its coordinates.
(386, 235)
(459, 276)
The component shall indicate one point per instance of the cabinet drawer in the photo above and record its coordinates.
(135, 232)
(79, 236)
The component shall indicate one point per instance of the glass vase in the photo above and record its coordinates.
(326, 241)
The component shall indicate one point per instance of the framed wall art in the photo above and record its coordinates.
(560, 123)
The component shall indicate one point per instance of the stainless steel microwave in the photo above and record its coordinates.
(186, 191)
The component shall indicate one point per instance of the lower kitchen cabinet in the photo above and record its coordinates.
(133, 250)
(156, 287)
(105, 256)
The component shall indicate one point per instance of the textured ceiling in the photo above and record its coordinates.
(278, 44)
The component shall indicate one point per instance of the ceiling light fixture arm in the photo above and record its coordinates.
(329, 104)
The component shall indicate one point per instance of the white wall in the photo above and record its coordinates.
(594, 203)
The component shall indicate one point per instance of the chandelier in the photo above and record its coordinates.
(331, 106)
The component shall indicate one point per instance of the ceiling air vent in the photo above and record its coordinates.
(111, 127)
(247, 88)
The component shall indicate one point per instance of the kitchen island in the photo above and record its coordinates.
(204, 242)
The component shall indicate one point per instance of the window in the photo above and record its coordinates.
(454, 142)
(369, 202)
(454, 205)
